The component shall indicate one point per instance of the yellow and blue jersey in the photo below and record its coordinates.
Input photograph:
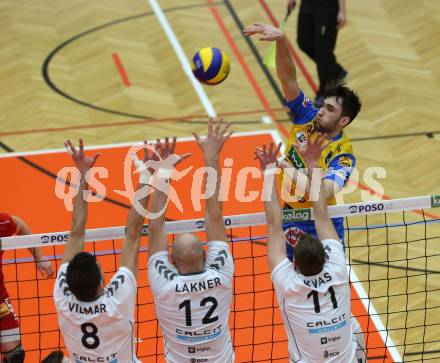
(337, 160)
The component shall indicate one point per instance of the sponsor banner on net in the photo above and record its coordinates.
(293, 215)
(368, 208)
(55, 238)
(435, 201)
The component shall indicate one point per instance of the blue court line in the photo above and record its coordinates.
(391, 225)
(115, 252)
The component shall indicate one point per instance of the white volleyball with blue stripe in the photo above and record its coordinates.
(210, 65)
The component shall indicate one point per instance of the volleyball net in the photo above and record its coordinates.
(393, 257)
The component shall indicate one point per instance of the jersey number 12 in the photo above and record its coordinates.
(208, 318)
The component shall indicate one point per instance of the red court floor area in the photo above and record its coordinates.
(28, 186)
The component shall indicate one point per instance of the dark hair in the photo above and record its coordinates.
(83, 276)
(347, 98)
(309, 255)
(55, 356)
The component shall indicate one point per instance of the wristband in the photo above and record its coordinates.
(145, 176)
(165, 173)
(271, 171)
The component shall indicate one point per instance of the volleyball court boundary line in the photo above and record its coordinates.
(124, 144)
(368, 306)
(203, 97)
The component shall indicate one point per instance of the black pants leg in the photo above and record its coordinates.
(325, 34)
(305, 34)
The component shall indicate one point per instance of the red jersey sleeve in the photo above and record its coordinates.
(7, 225)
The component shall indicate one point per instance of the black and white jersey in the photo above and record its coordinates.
(102, 330)
(193, 310)
(317, 309)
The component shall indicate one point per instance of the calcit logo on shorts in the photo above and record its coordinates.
(435, 201)
(293, 215)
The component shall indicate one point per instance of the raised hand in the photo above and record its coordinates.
(312, 151)
(82, 162)
(45, 268)
(268, 32)
(341, 19)
(291, 4)
(166, 152)
(212, 144)
(268, 158)
(157, 155)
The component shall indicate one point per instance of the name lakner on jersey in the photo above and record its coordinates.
(198, 286)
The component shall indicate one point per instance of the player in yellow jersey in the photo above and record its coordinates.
(341, 106)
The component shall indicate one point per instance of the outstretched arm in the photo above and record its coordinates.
(211, 146)
(276, 249)
(135, 220)
(43, 265)
(286, 69)
(291, 4)
(157, 236)
(75, 243)
(311, 153)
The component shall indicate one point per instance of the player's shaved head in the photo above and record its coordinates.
(188, 253)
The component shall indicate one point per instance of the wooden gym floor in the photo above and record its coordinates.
(106, 71)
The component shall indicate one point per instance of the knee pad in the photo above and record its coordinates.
(15, 355)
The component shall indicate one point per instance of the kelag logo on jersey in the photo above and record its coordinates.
(293, 215)
(55, 238)
(366, 208)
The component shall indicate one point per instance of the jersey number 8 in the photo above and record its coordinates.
(89, 339)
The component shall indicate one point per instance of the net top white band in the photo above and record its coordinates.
(234, 221)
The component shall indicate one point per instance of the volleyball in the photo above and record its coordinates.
(210, 65)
